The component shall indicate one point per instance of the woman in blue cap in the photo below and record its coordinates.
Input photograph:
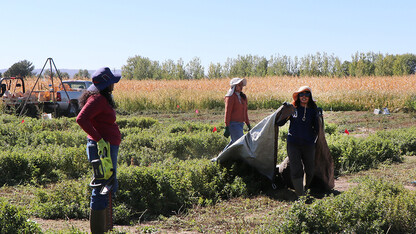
(98, 119)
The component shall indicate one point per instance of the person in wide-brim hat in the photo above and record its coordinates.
(301, 138)
(98, 119)
(235, 110)
(301, 90)
(102, 78)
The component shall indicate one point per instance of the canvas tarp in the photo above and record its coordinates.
(258, 148)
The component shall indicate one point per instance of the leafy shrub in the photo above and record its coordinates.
(15, 220)
(405, 139)
(373, 206)
(354, 154)
(14, 168)
(67, 199)
(140, 122)
(164, 188)
(410, 104)
(42, 164)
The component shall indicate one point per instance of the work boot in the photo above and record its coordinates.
(108, 219)
(97, 221)
(298, 185)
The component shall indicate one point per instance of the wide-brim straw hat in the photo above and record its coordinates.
(236, 81)
(233, 83)
(300, 90)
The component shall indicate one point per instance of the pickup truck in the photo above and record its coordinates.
(62, 99)
(68, 104)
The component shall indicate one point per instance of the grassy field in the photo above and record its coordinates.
(169, 111)
(254, 213)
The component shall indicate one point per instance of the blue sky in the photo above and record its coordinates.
(91, 34)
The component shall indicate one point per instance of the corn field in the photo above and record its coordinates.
(364, 93)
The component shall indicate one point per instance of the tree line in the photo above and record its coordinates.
(319, 64)
(25, 68)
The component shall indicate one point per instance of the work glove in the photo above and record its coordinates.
(107, 164)
(102, 146)
(227, 132)
(249, 127)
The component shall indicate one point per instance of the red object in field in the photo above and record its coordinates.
(215, 129)
(346, 131)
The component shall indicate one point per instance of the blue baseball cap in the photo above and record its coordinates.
(102, 78)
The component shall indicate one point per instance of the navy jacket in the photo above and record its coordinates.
(302, 131)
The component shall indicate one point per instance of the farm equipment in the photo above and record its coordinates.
(14, 95)
(60, 99)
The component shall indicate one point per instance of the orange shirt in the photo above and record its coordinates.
(235, 111)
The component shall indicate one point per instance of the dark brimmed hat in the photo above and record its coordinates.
(102, 78)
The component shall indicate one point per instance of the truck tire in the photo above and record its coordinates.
(73, 109)
(31, 111)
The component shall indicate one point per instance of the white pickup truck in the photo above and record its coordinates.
(68, 104)
(63, 99)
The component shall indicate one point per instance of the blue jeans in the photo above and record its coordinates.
(236, 131)
(98, 201)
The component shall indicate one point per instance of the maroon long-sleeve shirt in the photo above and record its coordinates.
(98, 119)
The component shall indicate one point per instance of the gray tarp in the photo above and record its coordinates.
(258, 148)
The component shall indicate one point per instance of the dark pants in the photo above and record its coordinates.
(301, 160)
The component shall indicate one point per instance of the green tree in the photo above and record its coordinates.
(242, 66)
(168, 70)
(384, 65)
(337, 68)
(404, 64)
(180, 71)
(22, 68)
(82, 73)
(194, 69)
(345, 68)
(214, 71)
(226, 68)
(63, 75)
(260, 66)
(279, 66)
(140, 68)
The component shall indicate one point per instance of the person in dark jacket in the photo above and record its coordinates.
(98, 119)
(235, 110)
(301, 139)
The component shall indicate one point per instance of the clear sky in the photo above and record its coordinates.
(89, 34)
